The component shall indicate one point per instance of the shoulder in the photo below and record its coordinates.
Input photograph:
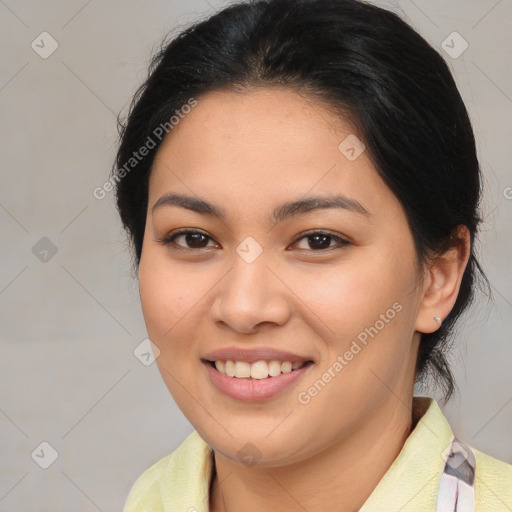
(188, 467)
(493, 477)
(493, 483)
(144, 493)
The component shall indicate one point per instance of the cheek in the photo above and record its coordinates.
(163, 297)
(352, 293)
(167, 302)
(173, 299)
(351, 298)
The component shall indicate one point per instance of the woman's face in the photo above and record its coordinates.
(332, 289)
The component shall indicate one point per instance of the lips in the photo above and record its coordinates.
(254, 375)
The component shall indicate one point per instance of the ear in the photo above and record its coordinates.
(442, 282)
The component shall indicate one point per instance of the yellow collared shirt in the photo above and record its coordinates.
(180, 481)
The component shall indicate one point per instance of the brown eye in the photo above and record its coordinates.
(190, 239)
(318, 241)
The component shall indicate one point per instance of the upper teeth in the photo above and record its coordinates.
(258, 370)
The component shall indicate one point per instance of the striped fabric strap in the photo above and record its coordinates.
(457, 484)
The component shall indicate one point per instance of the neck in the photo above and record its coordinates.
(346, 473)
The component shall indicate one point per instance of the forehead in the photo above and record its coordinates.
(254, 118)
(262, 145)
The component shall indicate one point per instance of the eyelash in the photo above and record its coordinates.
(169, 240)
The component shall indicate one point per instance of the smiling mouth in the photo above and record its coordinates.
(258, 370)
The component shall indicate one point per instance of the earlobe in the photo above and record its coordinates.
(442, 283)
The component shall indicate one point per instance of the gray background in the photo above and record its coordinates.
(69, 323)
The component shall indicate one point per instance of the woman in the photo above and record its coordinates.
(300, 185)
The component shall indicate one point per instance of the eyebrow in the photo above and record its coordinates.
(282, 212)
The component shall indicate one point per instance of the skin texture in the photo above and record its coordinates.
(248, 152)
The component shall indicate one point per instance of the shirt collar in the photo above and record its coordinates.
(409, 485)
(411, 482)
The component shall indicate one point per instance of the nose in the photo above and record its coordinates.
(250, 297)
